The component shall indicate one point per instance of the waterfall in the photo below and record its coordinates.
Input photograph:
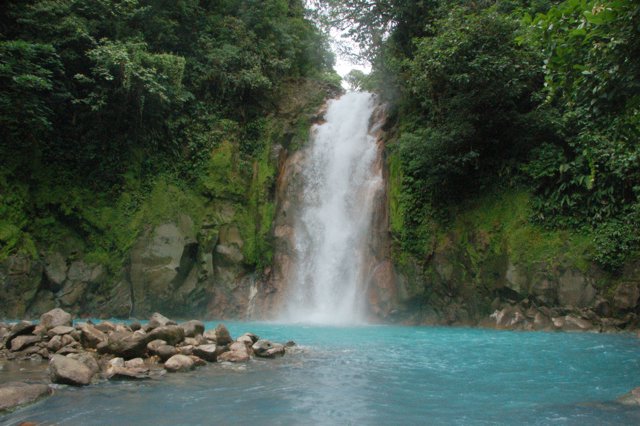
(339, 182)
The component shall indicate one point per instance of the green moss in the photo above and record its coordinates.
(396, 210)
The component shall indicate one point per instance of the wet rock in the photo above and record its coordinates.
(631, 398)
(222, 335)
(16, 394)
(21, 342)
(266, 349)
(290, 344)
(134, 369)
(206, 352)
(508, 317)
(245, 339)
(238, 352)
(197, 361)
(90, 336)
(69, 371)
(172, 334)
(60, 330)
(572, 323)
(54, 318)
(88, 359)
(192, 328)
(179, 363)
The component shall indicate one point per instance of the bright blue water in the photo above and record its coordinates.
(378, 375)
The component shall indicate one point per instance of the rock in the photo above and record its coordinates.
(54, 318)
(55, 271)
(631, 398)
(266, 349)
(87, 359)
(508, 317)
(206, 352)
(158, 320)
(210, 335)
(69, 371)
(238, 352)
(179, 363)
(290, 344)
(222, 335)
(135, 325)
(116, 362)
(125, 344)
(192, 328)
(626, 296)
(20, 329)
(572, 323)
(575, 290)
(60, 330)
(172, 334)
(135, 363)
(21, 342)
(245, 339)
(166, 351)
(186, 350)
(16, 394)
(197, 361)
(55, 343)
(90, 336)
(105, 326)
(153, 346)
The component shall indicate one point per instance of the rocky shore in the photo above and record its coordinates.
(87, 353)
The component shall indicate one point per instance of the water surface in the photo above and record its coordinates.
(377, 375)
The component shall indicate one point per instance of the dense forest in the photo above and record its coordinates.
(540, 96)
(118, 113)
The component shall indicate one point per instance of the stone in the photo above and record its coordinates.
(90, 336)
(210, 335)
(509, 317)
(118, 368)
(222, 335)
(21, 342)
(153, 346)
(20, 329)
(166, 351)
(16, 394)
(135, 325)
(572, 323)
(290, 344)
(574, 290)
(192, 328)
(179, 363)
(60, 330)
(206, 352)
(125, 344)
(105, 326)
(54, 318)
(69, 371)
(631, 398)
(238, 352)
(135, 363)
(197, 361)
(186, 349)
(55, 343)
(158, 320)
(266, 349)
(88, 359)
(245, 339)
(172, 334)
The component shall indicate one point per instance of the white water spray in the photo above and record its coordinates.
(334, 220)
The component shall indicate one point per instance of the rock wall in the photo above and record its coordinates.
(475, 284)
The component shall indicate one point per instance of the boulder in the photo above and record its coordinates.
(238, 352)
(55, 343)
(117, 368)
(125, 344)
(60, 330)
(135, 363)
(54, 318)
(172, 334)
(158, 320)
(20, 329)
(105, 326)
(630, 398)
(266, 349)
(626, 296)
(90, 336)
(153, 346)
(88, 359)
(222, 335)
(197, 361)
(245, 339)
(55, 270)
(166, 351)
(192, 328)
(179, 363)
(16, 394)
(206, 352)
(135, 325)
(21, 342)
(572, 323)
(68, 371)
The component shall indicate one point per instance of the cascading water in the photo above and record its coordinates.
(340, 180)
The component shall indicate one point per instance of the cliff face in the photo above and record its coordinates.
(491, 267)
